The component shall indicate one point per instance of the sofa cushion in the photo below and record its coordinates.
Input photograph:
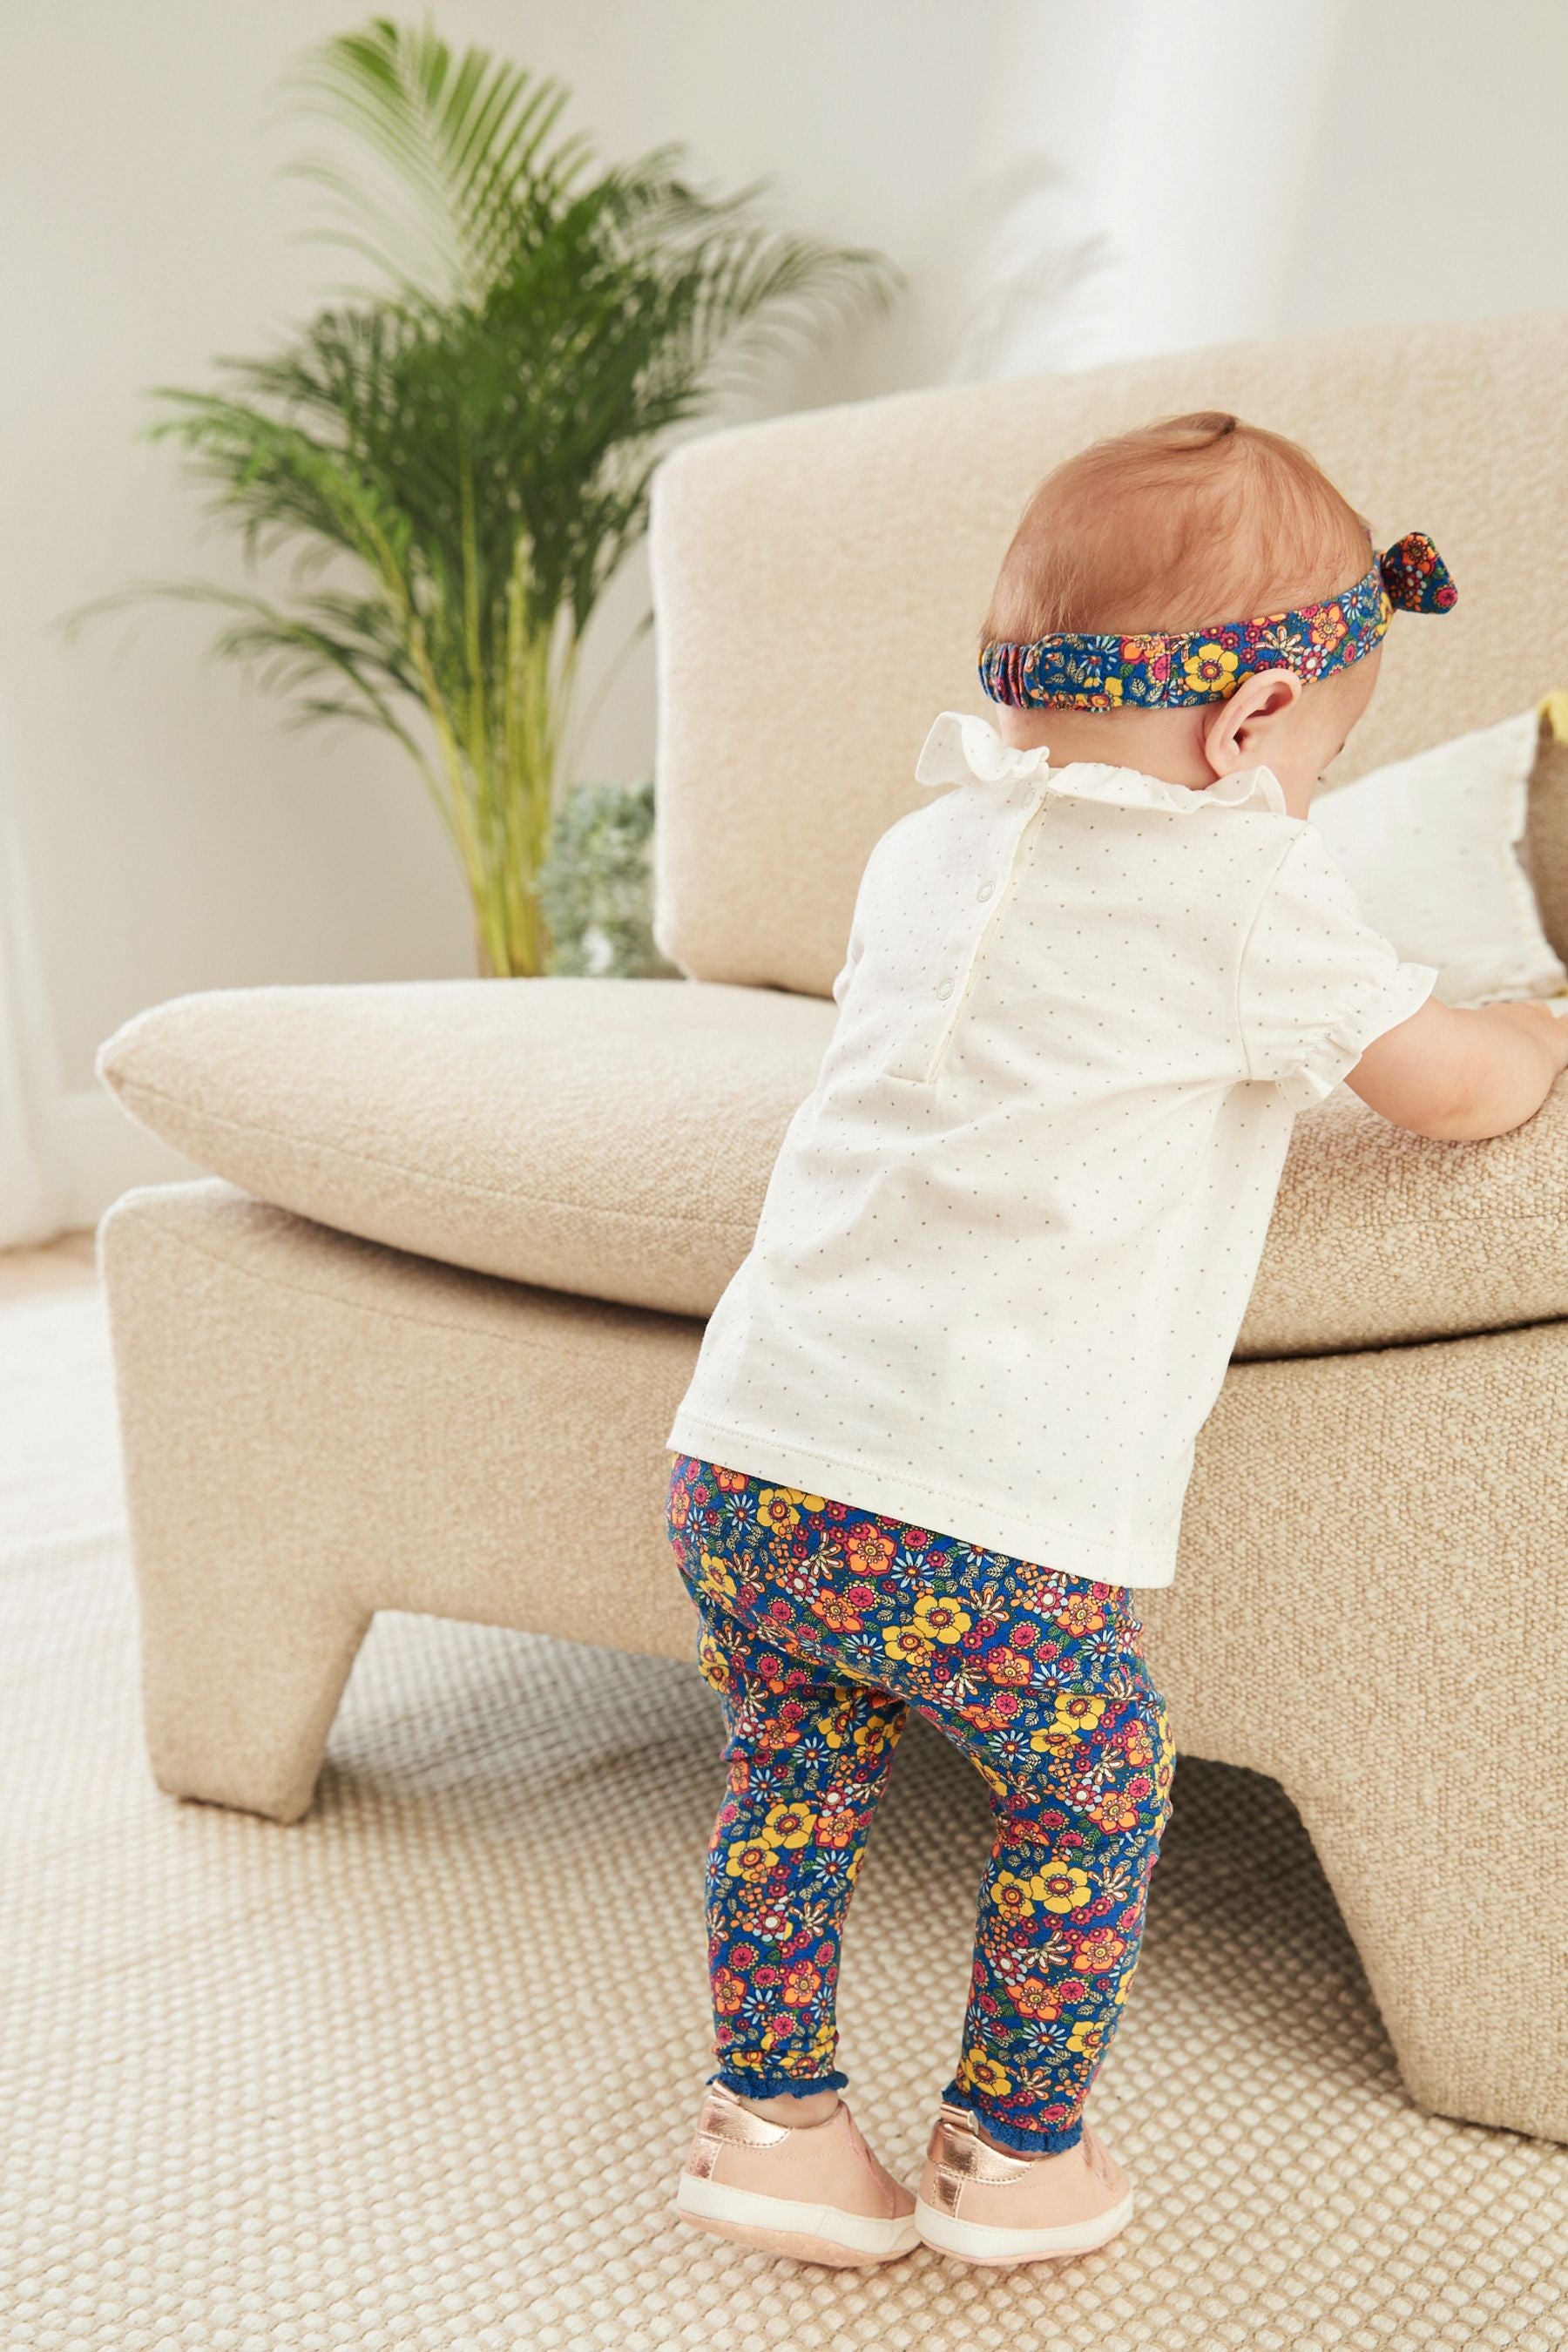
(608, 1137)
(614, 1137)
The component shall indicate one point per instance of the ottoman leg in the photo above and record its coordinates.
(237, 1702)
(252, 1597)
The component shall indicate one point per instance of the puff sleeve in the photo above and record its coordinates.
(858, 926)
(1317, 982)
(840, 988)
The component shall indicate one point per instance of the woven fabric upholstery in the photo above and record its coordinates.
(608, 1137)
(614, 1139)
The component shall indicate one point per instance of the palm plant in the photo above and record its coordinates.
(459, 458)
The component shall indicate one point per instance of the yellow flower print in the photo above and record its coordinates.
(1078, 1711)
(1014, 1896)
(978, 2072)
(820, 2051)
(789, 1825)
(1086, 2037)
(906, 1642)
(941, 1621)
(749, 1858)
(714, 1663)
(1061, 1888)
(715, 1577)
(1209, 668)
(780, 1507)
(1164, 1771)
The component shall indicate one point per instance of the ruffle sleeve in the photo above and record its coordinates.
(1318, 984)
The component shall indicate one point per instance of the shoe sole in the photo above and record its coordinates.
(981, 2242)
(783, 2225)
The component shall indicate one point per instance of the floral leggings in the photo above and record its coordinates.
(822, 1625)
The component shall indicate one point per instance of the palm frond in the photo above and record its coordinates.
(467, 138)
(277, 481)
(456, 462)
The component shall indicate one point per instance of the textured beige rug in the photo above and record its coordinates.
(419, 2070)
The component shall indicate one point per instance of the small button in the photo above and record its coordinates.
(985, 889)
(944, 988)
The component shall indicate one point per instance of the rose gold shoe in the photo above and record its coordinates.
(984, 2205)
(812, 2190)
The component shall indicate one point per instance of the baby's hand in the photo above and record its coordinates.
(1540, 1017)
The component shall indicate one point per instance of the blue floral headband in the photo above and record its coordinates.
(1104, 672)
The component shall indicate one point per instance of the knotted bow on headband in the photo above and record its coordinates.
(1105, 673)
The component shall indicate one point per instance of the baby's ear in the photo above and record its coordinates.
(1236, 729)
(1264, 693)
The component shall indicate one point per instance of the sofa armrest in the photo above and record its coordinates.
(1380, 1235)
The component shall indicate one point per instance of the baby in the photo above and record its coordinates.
(943, 1422)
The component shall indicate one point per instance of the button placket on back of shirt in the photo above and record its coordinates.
(948, 989)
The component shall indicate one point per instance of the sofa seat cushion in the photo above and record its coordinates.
(614, 1137)
(607, 1137)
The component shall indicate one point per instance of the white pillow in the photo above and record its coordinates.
(1430, 846)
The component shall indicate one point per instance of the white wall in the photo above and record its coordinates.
(1257, 169)
(1271, 169)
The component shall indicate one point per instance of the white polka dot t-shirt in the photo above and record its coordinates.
(1010, 1234)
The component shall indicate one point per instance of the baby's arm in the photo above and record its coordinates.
(1461, 1075)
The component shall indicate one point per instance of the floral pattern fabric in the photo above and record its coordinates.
(1109, 672)
(821, 1626)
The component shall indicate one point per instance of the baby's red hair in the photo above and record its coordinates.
(1184, 524)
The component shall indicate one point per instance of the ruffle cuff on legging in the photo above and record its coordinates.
(1022, 2143)
(776, 2087)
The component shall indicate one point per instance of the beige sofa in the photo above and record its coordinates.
(418, 1343)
